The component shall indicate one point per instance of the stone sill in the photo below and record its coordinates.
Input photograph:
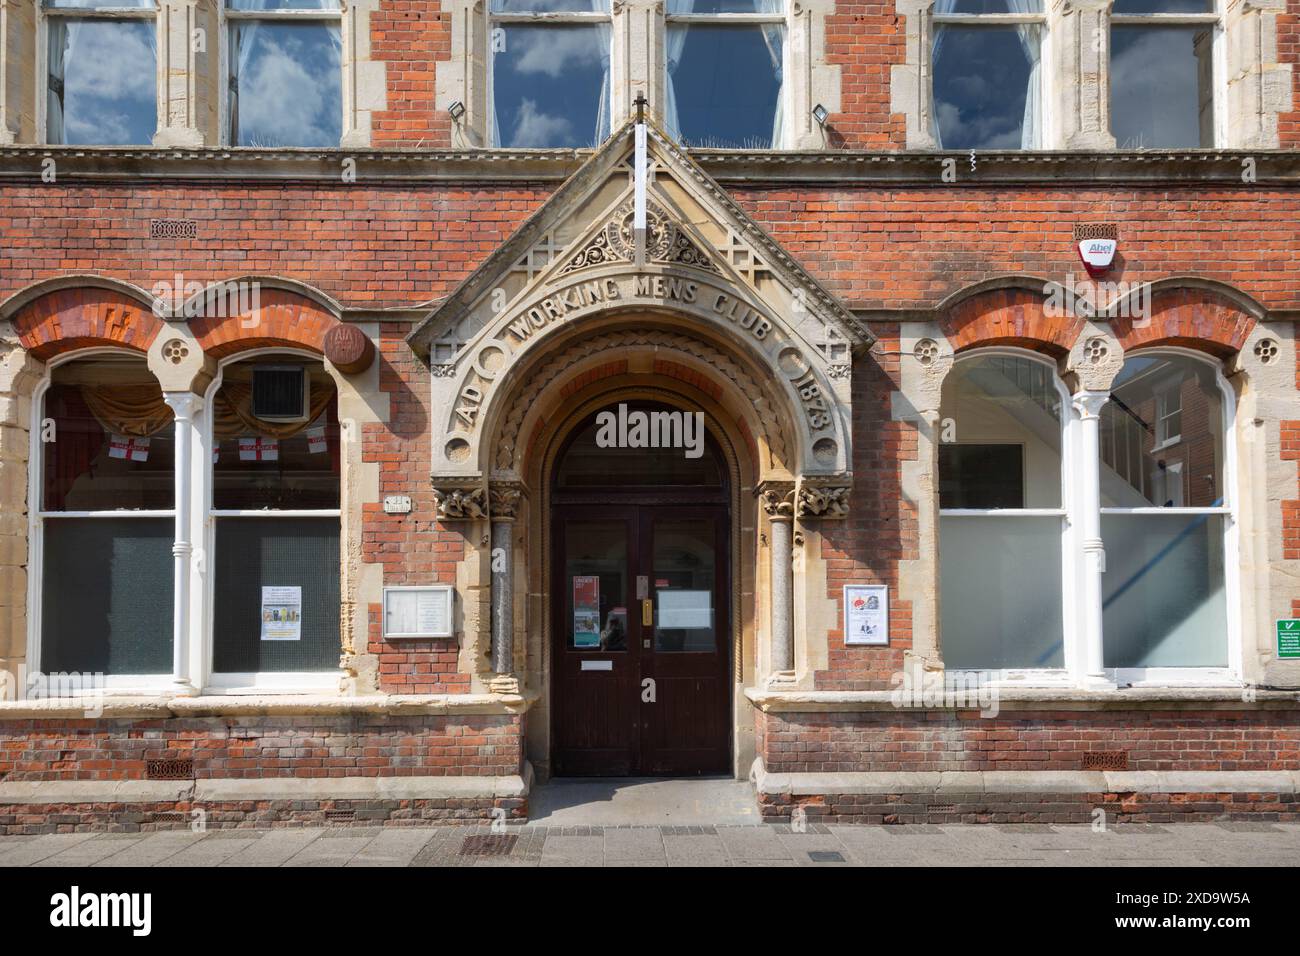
(265, 788)
(1030, 699)
(23, 163)
(1026, 781)
(254, 705)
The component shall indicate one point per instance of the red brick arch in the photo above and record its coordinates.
(285, 318)
(1190, 316)
(83, 317)
(1009, 317)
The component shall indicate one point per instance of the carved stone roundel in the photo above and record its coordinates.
(660, 233)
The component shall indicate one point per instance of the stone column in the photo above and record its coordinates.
(463, 77)
(19, 373)
(778, 503)
(1081, 84)
(365, 83)
(1088, 404)
(1259, 87)
(910, 81)
(185, 405)
(18, 79)
(189, 89)
(503, 509)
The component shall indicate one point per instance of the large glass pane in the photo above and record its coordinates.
(992, 403)
(274, 464)
(1130, 7)
(254, 5)
(1000, 586)
(986, 86)
(1162, 442)
(108, 439)
(596, 592)
(550, 6)
(590, 461)
(107, 595)
(988, 6)
(1164, 599)
(726, 84)
(102, 83)
(1161, 86)
(99, 4)
(550, 85)
(277, 581)
(685, 578)
(285, 84)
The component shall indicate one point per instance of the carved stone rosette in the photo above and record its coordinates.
(777, 499)
(823, 500)
(460, 502)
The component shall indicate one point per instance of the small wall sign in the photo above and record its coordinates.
(397, 504)
(418, 612)
(866, 614)
(1288, 640)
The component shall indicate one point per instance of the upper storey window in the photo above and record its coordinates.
(987, 63)
(724, 76)
(285, 65)
(550, 72)
(1162, 73)
(101, 84)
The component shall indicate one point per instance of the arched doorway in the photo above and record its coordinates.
(641, 596)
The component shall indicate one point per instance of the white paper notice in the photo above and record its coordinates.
(282, 614)
(418, 613)
(685, 609)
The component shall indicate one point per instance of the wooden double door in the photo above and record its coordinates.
(640, 664)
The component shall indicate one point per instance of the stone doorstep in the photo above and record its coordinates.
(34, 792)
(1025, 781)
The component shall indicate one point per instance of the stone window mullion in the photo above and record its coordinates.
(1080, 86)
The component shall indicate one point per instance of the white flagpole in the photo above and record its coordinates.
(638, 202)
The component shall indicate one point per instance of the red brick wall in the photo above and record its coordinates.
(299, 746)
(410, 37)
(1288, 51)
(865, 39)
(880, 530)
(902, 741)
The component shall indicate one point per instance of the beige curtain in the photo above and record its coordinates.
(136, 411)
(232, 411)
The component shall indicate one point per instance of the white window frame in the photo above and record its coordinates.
(204, 674)
(1218, 54)
(739, 19)
(37, 516)
(1071, 565)
(1230, 675)
(1046, 129)
(540, 18)
(1163, 439)
(226, 17)
(45, 13)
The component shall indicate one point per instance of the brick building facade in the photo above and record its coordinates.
(1084, 519)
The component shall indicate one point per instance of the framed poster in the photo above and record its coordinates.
(866, 614)
(586, 610)
(418, 611)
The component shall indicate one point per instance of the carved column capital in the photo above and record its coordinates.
(460, 501)
(505, 499)
(824, 498)
(777, 499)
(1089, 403)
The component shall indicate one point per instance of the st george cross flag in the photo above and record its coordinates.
(259, 449)
(134, 449)
(316, 440)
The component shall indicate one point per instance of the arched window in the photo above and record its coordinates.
(103, 522)
(274, 519)
(1002, 519)
(1166, 515)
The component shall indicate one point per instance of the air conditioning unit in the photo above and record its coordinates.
(281, 393)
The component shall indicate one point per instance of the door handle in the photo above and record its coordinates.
(647, 612)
